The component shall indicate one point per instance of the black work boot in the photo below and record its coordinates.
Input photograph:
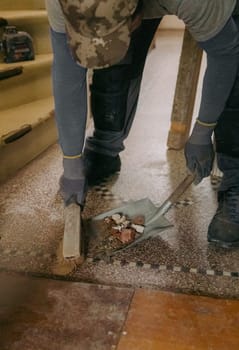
(100, 166)
(224, 227)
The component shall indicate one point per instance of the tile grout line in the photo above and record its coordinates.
(133, 264)
(171, 268)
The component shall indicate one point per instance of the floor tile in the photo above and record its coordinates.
(169, 321)
(45, 314)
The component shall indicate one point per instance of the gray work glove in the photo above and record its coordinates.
(73, 183)
(199, 152)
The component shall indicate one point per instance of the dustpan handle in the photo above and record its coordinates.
(173, 198)
(182, 187)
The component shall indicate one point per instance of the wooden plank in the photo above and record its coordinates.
(72, 240)
(185, 92)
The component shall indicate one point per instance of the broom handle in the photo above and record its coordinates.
(172, 199)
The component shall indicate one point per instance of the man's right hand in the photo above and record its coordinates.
(73, 183)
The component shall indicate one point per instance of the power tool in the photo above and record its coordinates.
(16, 45)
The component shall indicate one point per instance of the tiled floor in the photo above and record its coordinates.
(180, 322)
(178, 260)
(53, 315)
(44, 314)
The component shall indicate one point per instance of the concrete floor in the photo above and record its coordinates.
(178, 260)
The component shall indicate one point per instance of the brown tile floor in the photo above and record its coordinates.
(45, 314)
(169, 321)
(179, 260)
(53, 315)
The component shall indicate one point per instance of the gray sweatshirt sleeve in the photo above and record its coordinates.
(222, 70)
(55, 15)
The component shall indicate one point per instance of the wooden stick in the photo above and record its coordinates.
(185, 92)
(72, 242)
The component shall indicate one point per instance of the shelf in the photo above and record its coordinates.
(13, 119)
(23, 16)
(39, 61)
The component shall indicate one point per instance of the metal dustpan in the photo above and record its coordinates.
(155, 222)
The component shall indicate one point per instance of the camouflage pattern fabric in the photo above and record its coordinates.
(98, 30)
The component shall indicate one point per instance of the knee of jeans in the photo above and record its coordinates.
(109, 110)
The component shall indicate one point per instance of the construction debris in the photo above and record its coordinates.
(119, 231)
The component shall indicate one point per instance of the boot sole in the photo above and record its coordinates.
(222, 244)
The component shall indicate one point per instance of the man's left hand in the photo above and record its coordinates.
(199, 152)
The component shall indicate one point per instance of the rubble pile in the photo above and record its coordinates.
(123, 228)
